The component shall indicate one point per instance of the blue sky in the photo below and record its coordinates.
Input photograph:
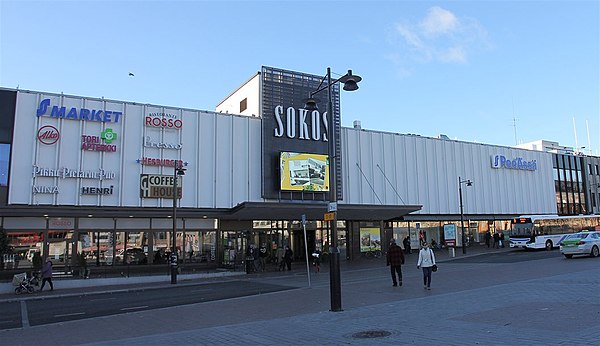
(461, 68)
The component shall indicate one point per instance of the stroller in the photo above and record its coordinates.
(25, 283)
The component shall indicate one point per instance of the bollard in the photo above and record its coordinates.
(451, 250)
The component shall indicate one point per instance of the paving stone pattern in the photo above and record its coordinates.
(506, 314)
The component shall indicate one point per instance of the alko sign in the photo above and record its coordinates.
(48, 134)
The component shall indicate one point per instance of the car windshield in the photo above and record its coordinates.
(578, 236)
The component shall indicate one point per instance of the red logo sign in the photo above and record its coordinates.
(48, 135)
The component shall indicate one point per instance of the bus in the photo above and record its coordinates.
(546, 231)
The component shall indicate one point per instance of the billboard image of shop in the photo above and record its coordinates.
(370, 239)
(304, 172)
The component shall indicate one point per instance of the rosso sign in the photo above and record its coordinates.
(48, 135)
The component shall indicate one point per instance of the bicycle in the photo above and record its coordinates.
(373, 253)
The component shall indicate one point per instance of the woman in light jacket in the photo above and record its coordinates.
(426, 261)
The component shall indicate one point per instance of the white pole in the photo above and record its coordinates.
(587, 127)
(306, 249)
(575, 132)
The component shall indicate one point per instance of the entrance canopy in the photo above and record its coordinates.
(243, 211)
(316, 211)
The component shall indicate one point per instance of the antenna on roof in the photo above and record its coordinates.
(514, 122)
(575, 132)
(587, 127)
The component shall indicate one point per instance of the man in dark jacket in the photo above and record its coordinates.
(395, 258)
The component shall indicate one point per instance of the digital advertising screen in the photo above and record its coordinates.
(304, 172)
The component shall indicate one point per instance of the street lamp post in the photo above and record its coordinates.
(177, 171)
(462, 222)
(350, 84)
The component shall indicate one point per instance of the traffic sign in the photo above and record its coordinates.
(332, 206)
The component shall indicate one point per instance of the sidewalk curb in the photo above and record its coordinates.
(113, 285)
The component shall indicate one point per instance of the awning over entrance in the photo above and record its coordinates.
(243, 211)
(315, 211)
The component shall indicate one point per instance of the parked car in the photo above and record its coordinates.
(31, 253)
(581, 243)
(135, 256)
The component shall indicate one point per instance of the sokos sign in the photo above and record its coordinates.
(499, 161)
(300, 120)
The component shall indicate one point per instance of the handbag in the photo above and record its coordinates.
(434, 267)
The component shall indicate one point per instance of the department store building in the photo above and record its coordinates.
(93, 176)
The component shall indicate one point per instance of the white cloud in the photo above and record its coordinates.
(411, 37)
(453, 54)
(439, 21)
(439, 36)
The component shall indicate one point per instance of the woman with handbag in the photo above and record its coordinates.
(427, 263)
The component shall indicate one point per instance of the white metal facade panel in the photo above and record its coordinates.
(96, 223)
(21, 223)
(217, 148)
(134, 223)
(201, 223)
(161, 224)
(425, 171)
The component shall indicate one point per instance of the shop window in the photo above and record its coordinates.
(22, 247)
(4, 160)
(161, 247)
(97, 247)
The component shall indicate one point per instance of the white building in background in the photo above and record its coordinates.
(549, 146)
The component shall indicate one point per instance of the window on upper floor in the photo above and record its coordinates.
(4, 160)
(243, 105)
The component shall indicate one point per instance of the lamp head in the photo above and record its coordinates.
(469, 183)
(180, 171)
(311, 104)
(350, 81)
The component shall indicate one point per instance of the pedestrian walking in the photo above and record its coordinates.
(426, 262)
(316, 255)
(487, 239)
(262, 256)
(47, 274)
(279, 253)
(406, 243)
(288, 257)
(496, 240)
(37, 262)
(502, 240)
(250, 256)
(395, 259)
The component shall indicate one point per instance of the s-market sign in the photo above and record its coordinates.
(74, 113)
